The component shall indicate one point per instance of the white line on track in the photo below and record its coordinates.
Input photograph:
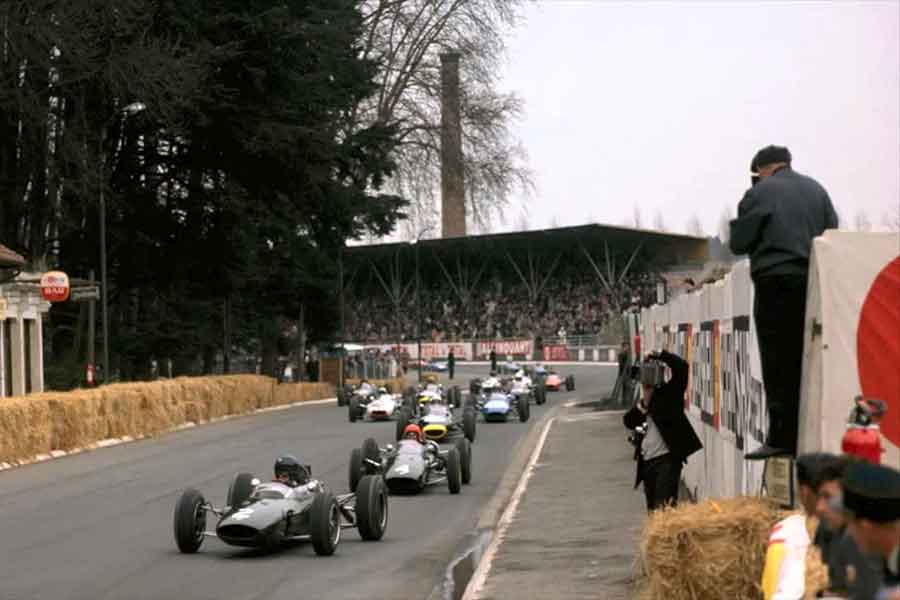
(473, 590)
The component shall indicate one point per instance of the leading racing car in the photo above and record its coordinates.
(383, 406)
(413, 464)
(294, 507)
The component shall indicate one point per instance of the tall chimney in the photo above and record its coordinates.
(453, 192)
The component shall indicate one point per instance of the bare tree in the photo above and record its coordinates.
(861, 221)
(891, 221)
(637, 220)
(524, 223)
(695, 226)
(406, 38)
(659, 222)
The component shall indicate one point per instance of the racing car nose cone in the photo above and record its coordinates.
(434, 432)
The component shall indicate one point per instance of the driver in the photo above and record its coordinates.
(289, 471)
(382, 391)
(414, 432)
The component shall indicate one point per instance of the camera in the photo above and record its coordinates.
(636, 437)
(651, 372)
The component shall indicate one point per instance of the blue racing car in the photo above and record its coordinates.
(498, 406)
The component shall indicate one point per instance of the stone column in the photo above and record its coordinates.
(17, 353)
(453, 193)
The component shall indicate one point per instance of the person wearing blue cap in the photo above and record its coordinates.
(871, 499)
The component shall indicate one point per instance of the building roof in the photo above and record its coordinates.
(10, 259)
(672, 248)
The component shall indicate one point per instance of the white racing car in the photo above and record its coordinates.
(382, 407)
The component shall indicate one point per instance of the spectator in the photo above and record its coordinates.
(777, 220)
(669, 439)
(493, 357)
(451, 364)
(871, 499)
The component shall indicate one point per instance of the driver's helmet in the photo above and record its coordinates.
(412, 432)
(431, 379)
(382, 390)
(289, 470)
(520, 374)
(493, 373)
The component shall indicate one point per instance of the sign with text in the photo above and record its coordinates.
(85, 293)
(55, 286)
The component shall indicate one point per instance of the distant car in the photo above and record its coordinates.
(499, 406)
(268, 515)
(438, 366)
(384, 406)
(411, 466)
(364, 392)
(509, 367)
(554, 382)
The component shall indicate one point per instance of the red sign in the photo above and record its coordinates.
(556, 352)
(55, 286)
(514, 347)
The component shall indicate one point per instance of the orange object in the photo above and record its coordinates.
(863, 442)
(90, 374)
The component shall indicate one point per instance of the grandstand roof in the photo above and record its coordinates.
(667, 248)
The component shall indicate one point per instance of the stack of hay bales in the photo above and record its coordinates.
(41, 423)
(713, 550)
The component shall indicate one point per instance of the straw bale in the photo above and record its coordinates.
(25, 428)
(710, 550)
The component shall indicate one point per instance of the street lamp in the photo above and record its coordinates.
(124, 112)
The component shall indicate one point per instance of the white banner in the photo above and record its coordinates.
(851, 346)
(430, 350)
(524, 348)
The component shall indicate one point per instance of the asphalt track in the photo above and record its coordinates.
(98, 525)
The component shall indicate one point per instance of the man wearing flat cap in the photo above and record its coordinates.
(778, 218)
(871, 499)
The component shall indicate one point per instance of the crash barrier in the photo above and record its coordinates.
(394, 385)
(518, 350)
(851, 347)
(39, 424)
(714, 550)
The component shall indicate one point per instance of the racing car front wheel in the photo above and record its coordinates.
(524, 408)
(190, 521)
(371, 508)
(403, 416)
(540, 394)
(325, 524)
(356, 468)
(239, 490)
(454, 471)
(570, 383)
(353, 409)
(465, 459)
(469, 420)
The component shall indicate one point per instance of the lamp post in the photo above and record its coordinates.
(125, 112)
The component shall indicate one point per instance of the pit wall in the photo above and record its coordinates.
(41, 424)
(851, 347)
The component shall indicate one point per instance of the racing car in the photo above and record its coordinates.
(522, 385)
(439, 421)
(496, 405)
(413, 464)
(363, 392)
(381, 407)
(292, 508)
(431, 392)
(553, 382)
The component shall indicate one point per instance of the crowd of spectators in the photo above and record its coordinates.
(566, 306)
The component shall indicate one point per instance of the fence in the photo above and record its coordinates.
(851, 346)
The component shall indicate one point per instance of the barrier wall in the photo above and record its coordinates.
(42, 423)
(851, 346)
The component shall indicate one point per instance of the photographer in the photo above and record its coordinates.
(668, 437)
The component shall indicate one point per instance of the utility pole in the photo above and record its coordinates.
(104, 282)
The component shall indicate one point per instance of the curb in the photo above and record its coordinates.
(109, 442)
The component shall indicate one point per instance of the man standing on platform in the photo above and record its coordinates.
(451, 364)
(778, 218)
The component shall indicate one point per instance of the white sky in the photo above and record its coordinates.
(663, 105)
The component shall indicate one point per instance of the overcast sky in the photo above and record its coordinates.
(662, 105)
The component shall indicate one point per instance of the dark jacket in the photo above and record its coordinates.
(777, 221)
(667, 410)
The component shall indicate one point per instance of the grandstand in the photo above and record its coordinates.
(565, 283)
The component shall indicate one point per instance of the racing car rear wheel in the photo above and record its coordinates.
(540, 394)
(371, 508)
(356, 468)
(325, 524)
(240, 489)
(402, 421)
(524, 408)
(454, 471)
(469, 420)
(570, 383)
(465, 458)
(353, 411)
(190, 521)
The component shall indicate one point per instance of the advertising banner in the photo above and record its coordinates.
(516, 348)
(557, 352)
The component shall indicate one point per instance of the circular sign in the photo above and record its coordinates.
(878, 346)
(55, 286)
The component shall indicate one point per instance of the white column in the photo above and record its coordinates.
(17, 352)
(37, 354)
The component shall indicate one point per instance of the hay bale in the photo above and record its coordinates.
(25, 427)
(710, 550)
